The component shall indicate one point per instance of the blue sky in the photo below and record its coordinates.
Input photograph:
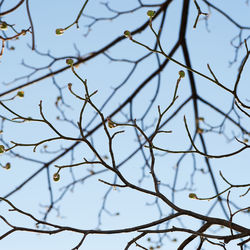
(80, 206)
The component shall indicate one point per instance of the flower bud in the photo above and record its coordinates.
(192, 196)
(3, 26)
(56, 177)
(110, 123)
(181, 74)
(69, 61)
(20, 94)
(127, 34)
(200, 131)
(59, 32)
(2, 149)
(7, 166)
(151, 13)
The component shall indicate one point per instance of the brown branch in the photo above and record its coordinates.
(12, 9)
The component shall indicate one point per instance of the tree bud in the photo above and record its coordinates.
(69, 61)
(20, 94)
(7, 166)
(181, 74)
(2, 149)
(59, 32)
(110, 123)
(56, 177)
(3, 26)
(127, 34)
(192, 196)
(151, 13)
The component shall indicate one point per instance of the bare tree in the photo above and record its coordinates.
(165, 131)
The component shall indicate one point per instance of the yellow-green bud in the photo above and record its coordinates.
(151, 13)
(56, 177)
(7, 166)
(181, 73)
(2, 149)
(20, 94)
(192, 196)
(110, 123)
(59, 32)
(127, 34)
(3, 26)
(200, 130)
(69, 61)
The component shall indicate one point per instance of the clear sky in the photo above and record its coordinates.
(81, 205)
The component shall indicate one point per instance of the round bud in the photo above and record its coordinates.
(192, 196)
(151, 13)
(3, 26)
(69, 61)
(200, 130)
(7, 166)
(2, 149)
(127, 34)
(59, 32)
(110, 123)
(20, 94)
(181, 74)
(56, 177)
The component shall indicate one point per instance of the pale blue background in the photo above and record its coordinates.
(80, 208)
